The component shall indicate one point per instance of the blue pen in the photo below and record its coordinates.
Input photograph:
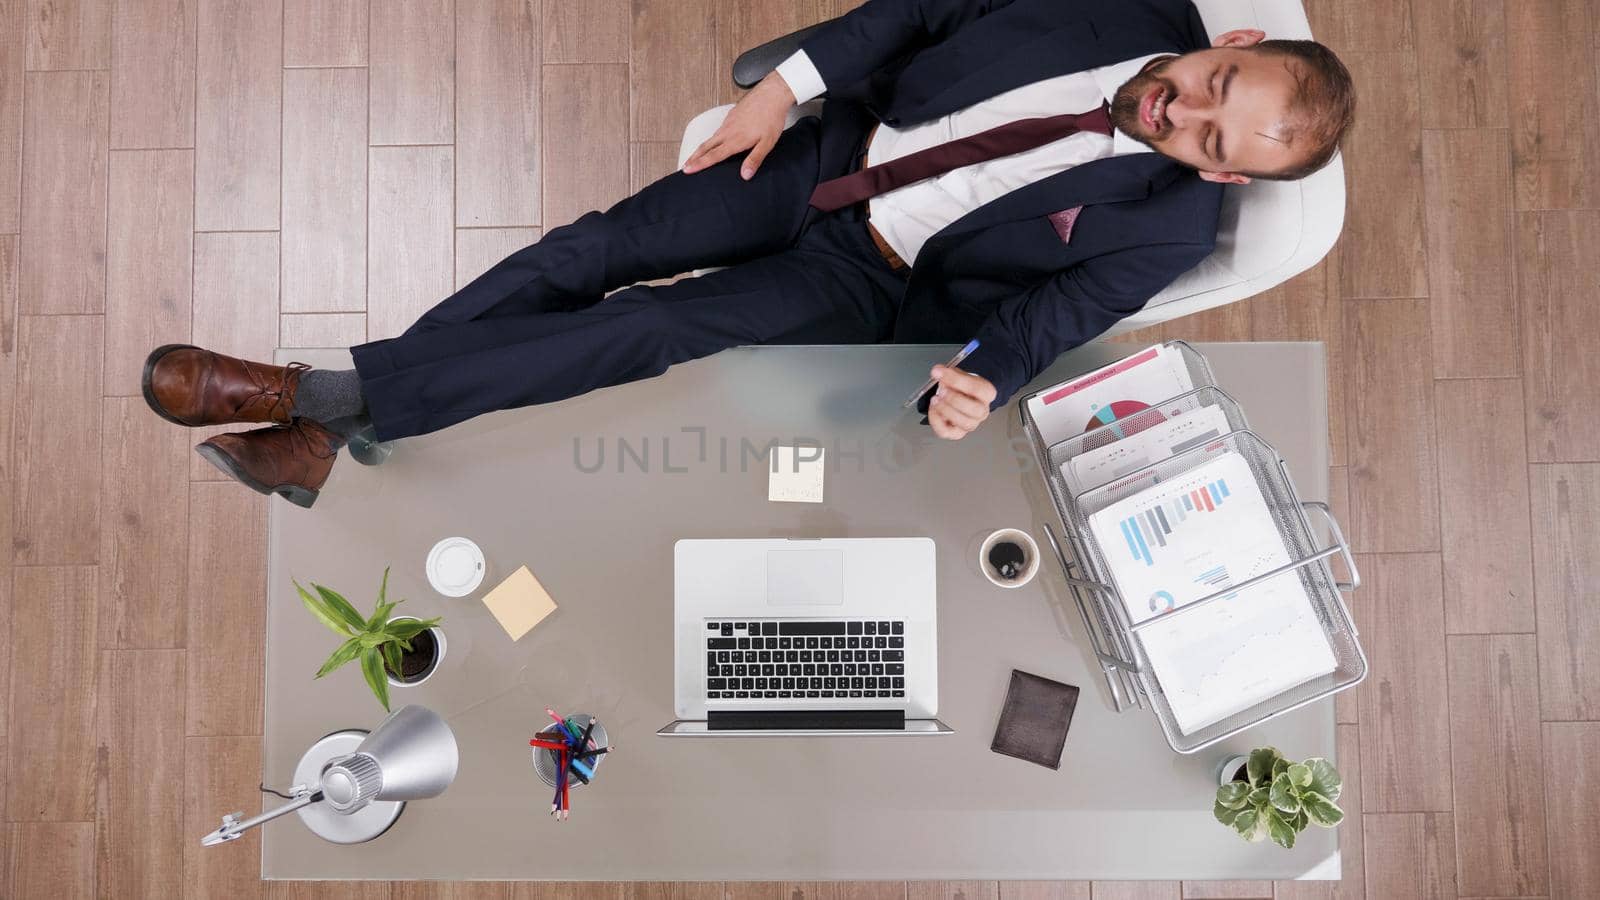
(954, 361)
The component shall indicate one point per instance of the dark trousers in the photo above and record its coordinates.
(538, 327)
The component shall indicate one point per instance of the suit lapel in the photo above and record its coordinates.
(1111, 180)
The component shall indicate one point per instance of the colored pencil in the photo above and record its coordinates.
(591, 753)
(581, 768)
(547, 745)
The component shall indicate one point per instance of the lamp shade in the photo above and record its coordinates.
(411, 755)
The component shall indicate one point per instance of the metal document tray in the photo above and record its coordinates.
(1114, 639)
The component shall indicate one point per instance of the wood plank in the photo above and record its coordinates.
(1495, 756)
(322, 330)
(952, 890)
(478, 249)
(64, 206)
(1555, 123)
(742, 25)
(69, 34)
(227, 589)
(1394, 479)
(1461, 61)
(1044, 890)
(56, 504)
(1566, 579)
(1308, 308)
(150, 260)
(844, 890)
(235, 310)
(329, 890)
(497, 113)
(649, 162)
(153, 74)
(1405, 723)
(1227, 890)
(139, 741)
(675, 74)
(238, 110)
(752, 890)
(1352, 863)
(1410, 855)
(52, 859)
(324, 33)
(1381, 253)
(544, 890)
(1466, 179)
(11, 82)
(144, 542)
(223, 776)
(1229, 322)
(1348, 27)
(1138, 890)
(1556, 284)
(590, 148)
(10, 264)
(586, 31)
(410, 236)
(412, 66)
(1572, 778)
(51, 757)
(673, 890)
(1488, 550)
(324, 190)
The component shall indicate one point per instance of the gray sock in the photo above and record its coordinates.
(329, 394)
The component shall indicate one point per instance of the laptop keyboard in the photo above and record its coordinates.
(805, 659)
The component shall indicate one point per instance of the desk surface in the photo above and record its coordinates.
(591, 494)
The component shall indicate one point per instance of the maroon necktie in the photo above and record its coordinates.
(1003, 140)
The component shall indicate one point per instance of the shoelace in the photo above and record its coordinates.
(279, 398)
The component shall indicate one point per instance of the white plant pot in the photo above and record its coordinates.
(438, 656)
(1225, 774)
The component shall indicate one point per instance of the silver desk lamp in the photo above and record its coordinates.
(351, 785)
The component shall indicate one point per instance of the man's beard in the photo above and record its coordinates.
(1125, 105)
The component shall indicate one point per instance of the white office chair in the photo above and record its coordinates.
(1270, 231)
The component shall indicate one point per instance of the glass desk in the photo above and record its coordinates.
(591, 493)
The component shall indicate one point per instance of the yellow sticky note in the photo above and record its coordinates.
(519, 603)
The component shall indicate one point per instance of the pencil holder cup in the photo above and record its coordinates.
(545, 762)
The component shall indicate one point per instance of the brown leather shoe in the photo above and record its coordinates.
(189, 386)
(291, 460)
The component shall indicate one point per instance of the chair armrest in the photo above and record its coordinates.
(754, 64)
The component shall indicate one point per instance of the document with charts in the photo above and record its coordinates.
(1109, 393)
(1186, 537)
(1180, 431)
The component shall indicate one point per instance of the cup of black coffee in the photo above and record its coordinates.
(1009, 558)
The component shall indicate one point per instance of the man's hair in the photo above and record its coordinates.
(1324, 105)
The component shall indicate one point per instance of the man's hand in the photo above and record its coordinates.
(959, 404)
(753, 124)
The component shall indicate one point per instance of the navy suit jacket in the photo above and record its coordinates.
(1001, 273)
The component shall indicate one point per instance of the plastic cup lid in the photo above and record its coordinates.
(455, 567)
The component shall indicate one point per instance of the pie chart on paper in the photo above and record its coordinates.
(1116, 409)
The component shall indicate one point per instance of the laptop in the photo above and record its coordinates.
(805, 637)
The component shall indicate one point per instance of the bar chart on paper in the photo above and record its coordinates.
(1148, 530)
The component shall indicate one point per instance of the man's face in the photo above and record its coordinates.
(1222, 111)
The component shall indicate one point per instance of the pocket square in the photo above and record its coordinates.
(1063, 221)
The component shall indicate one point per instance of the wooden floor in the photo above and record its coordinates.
(249, 173)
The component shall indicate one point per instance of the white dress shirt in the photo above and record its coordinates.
(908, 216)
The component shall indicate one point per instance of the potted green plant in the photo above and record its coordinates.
(1264, 795)
(402, 648)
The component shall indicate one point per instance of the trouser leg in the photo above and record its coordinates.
(678, 224)
(831, 287)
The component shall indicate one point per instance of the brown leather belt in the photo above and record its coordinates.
(889, 256)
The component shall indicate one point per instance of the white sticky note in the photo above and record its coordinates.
(794, 475)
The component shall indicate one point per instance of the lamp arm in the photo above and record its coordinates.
(233, 829)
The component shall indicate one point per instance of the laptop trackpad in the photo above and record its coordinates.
(805, 577)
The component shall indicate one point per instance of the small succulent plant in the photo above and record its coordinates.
(1279, 798)
(375, 640)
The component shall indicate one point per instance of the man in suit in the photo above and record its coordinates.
(1025, 172)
